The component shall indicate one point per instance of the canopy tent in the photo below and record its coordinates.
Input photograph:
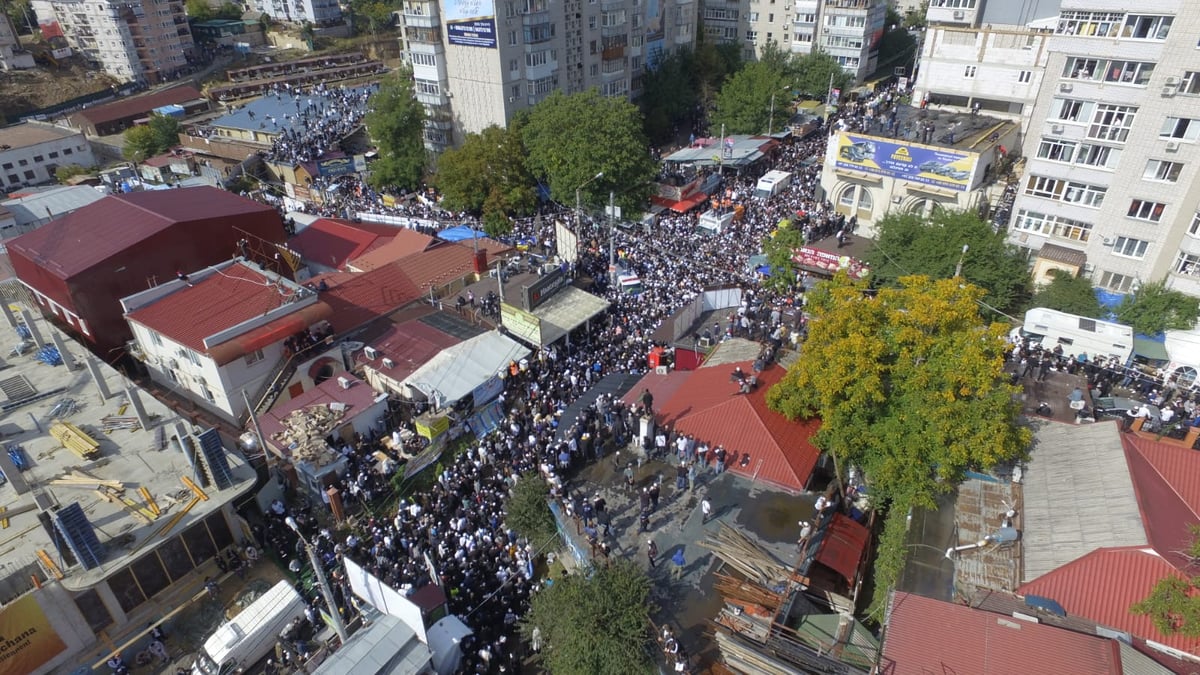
(459, 370)
(1150, 347)
(460, 233)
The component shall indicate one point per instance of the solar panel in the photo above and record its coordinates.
(213, 453)
(75, 528)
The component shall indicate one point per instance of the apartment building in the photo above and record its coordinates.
(1113, 147)
(318, 12)
(30, 153)
(477, 63)
(12, 55)
(987, 54)
(132, 40)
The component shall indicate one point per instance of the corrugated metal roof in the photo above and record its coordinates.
(333, 243)
(439, 265)
(930, 636)
(215, 303)
(409, 345)
(1164, 477)
(359, 298)
(405, 243)
(1078, 496)
(842, 545)
(1104, 584)
(139, 105)
(1178, 466)
(77, 241)
(52, 203)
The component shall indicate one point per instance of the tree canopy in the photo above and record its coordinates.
(1068, 293)
(1174, 602)
(571, 138)
(396, 126)
(594, 625)
(779, 249)
(1155, 308)
(909, 386)
(200, 10)
(157, 136)
(680, 85)
(744, 103)
(911, 244)
(527, 511)
(811, 74)
(487, 176)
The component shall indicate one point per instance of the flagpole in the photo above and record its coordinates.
(828, 97)
(721, 153)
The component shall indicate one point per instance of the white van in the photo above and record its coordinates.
(251, 635)
(772, 183)
(1077, 334)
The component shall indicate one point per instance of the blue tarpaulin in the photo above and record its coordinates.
(460, 233)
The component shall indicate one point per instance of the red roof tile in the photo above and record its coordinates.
(409, 345)
(1159, 471)
(704, 403)
(75, 242)
(843, 542)
(1104, 584)
(930, 636)
(139, 105)
(405, 243)
(333, 243)
(215, 303)
(357, 298)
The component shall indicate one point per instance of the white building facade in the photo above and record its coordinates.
(848, 30)
(1113, 146)
(132, 40)
(475, 71)
(32, 151)
(12, 55)
(319, 12)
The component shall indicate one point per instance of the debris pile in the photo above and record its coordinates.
(304, 433)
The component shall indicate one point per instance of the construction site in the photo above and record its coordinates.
(109, 502)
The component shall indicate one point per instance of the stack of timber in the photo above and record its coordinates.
(74, 439)
(779, 655)
(751, 560)
(304, 433)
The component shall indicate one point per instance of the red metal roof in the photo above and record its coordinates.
(405, 243)
(409, 345)
(842, 546)
(1159, 471)
(215, 303)
(927, 636)
(88, 236)
(1104, 584)
(705, 404)
(139, 105)
(439, 265)
(357, 298)
(333, 243)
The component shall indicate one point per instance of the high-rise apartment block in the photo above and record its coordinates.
(132, 40)
(1111, 186)
(317, 12)
(476, 63)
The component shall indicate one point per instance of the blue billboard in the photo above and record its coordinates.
(471, 23)
(943, 167)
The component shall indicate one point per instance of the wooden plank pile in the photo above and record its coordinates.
(304, 433)
(743, 656)
(74, 439)
(747, 557)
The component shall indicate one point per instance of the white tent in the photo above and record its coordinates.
(457, 371)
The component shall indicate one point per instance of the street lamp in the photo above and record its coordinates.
(958, 267)
(326, 591)
(579, 199)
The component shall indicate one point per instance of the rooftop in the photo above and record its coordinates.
(405, 242)
(31, 133)
(1166, 479)
(1018, 13)
(974, 641)
(1078, 496)
(275, 114)
(139, 105)
(358, 398)
(132, 457)
(51, 203)
(357, 298)
(742, 151)
(333, 242)
(960, 131)
(409, 345)
(77, 241)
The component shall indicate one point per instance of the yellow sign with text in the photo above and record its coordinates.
(27, 641)
(521, 324)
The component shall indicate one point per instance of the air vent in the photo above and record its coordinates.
(80, 536)
(212, 452)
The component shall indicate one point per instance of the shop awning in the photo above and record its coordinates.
(683, 205)
(1150, 348)
(843, 543)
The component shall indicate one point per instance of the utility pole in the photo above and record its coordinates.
(612, 238)
(579, 201)
(828, 96)
(958, 267)
(721, 151)
(334, 613)
(771, 119)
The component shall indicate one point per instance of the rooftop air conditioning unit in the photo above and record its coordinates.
(1056, 128)
(1172, 146)
(1169, 91)
(388, 363)
(370, 353)
(1065, 86)
(958, 15)
(344, 382)
(1172, 82)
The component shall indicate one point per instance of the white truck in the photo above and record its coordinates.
(772, 183)
(251, 635)
(1077, 334)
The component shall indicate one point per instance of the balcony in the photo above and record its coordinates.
(414, 20)
(615, 52)
(849, 4)
(431, 36)
(538, 18)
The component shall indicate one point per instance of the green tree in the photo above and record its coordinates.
(378, 15)
(1068, 293)
(20, 12)
(527, 511)
(166, 131)
(744, 103)
(396, 125)
(160, 134)
(896, 47)
(712, 65)
(229, 10)
(812, 73)
(910, 244)
(1174, 602)
(909, 386)
(571, 138)
(779, 249)
(669, 96)
(1155, 308)
(594, 625)
(198, 10)
(916, 18)
(64, 173)
(487, 176)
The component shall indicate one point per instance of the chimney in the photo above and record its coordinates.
(481, 267)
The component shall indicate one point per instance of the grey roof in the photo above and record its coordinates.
(746, 150)
(50, 204)
(386, 647)
(270, 111)
(1078, 496)
(1012, 13)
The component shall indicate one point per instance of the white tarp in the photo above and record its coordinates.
(457, 371)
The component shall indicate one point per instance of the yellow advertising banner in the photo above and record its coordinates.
(27, 641)
(521, 324)
(431, 427)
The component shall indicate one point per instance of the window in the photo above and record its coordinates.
(1042, 186)
(1056, 150)
(1111, 122)
(1100, 156)
(953, 4)
(1053, 226)
(254, 357)
(156, 339)
(29, 175)
(969, 71)
(535, 59)
(1120, 283)
(1103, 70)
(1194, 228)
(427, 87)
(1146, 27)
(1162, 170)
(1182, 128)
(39, 159)
(23, 162)
(68, 151)
(753, 17)
(1190, 83)
(192, 356)
(513, 65)
(1024, 76)
(751, 35)
(53, 155)
(592, 22)
(1144, 210)
(420, 59)
(1089, 24)
(1084, 194)
(208, 395)
(1186, 263)
(515, 91)
(1128, 247)
(14, 178)
(8, 165)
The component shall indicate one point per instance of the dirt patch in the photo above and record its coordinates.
(28, 90)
